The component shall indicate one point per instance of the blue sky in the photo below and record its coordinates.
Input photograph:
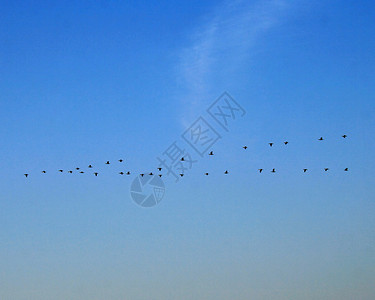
(86, 82)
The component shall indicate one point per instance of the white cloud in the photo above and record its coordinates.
(219, 47)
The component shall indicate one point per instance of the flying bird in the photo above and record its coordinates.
(77, 168)
(273, 171)
(96, 174)
(150, 173)
(344, 136)
(206, 174)
(245, 147)
(107, 163)
(181, 174)
(128, 173)
(142, 175)
(121, 173)
(182, 159)
(90, 166)
(226, 172)
(61, 171)
(159, 169)
(120, 160)
(321, 139)
(160, 175)
(346, 169)
(211, 153)
(70, 171)
(271, 144)
(26, 175)
(326, 169)
(260, 170)
(286, 143)
(81, 172)
(304, 170)
(44, 172)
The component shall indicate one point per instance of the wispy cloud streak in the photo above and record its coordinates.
(220, 46)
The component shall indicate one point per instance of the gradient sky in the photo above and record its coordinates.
(83, 82)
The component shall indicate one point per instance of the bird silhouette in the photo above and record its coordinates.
(326, 169)
(286, 143)
(181, 174)
(321, 138)
(120, 160)
(107, 163)
(26, 175)
(60, 171)
(96, 174)
(182, 159)
(304, 170)
(81, 172)
(151, 173)
(344, 136)
(260, 170)
(159, 169)
(273, 171)
(90, 166)
(211, 153)
(142, 175)
(346, 169)
(44, 172)
(121, 173)
(160, 175)
(226, 172)
(271, 144)
(245, 147)
(70, 171)
(206, 174)
(77, 168)
(128, 173)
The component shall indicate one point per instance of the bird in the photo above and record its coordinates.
(159, 169)
(286, 143)
(121, 173)
(211, 153)
(142, 175)
(344, 136)
(304, 170)
(321, 138)
(120, 160)
(128, 173)
(81, 172)
(326, 169)
(245, 147)
(26, 175)
(273, 171)
(96, 174)
(346, 169)
(260, 170)
(151, 173)
(70, 171)
(77, 168)
(270, 144)
(107, 163)
(226, 172)
(90, 166)
(60, 171)
(182, 159)
(160, 175)
(206, 174)
(181, 174)
(44, 172)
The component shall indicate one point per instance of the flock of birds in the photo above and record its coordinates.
(183, 159)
